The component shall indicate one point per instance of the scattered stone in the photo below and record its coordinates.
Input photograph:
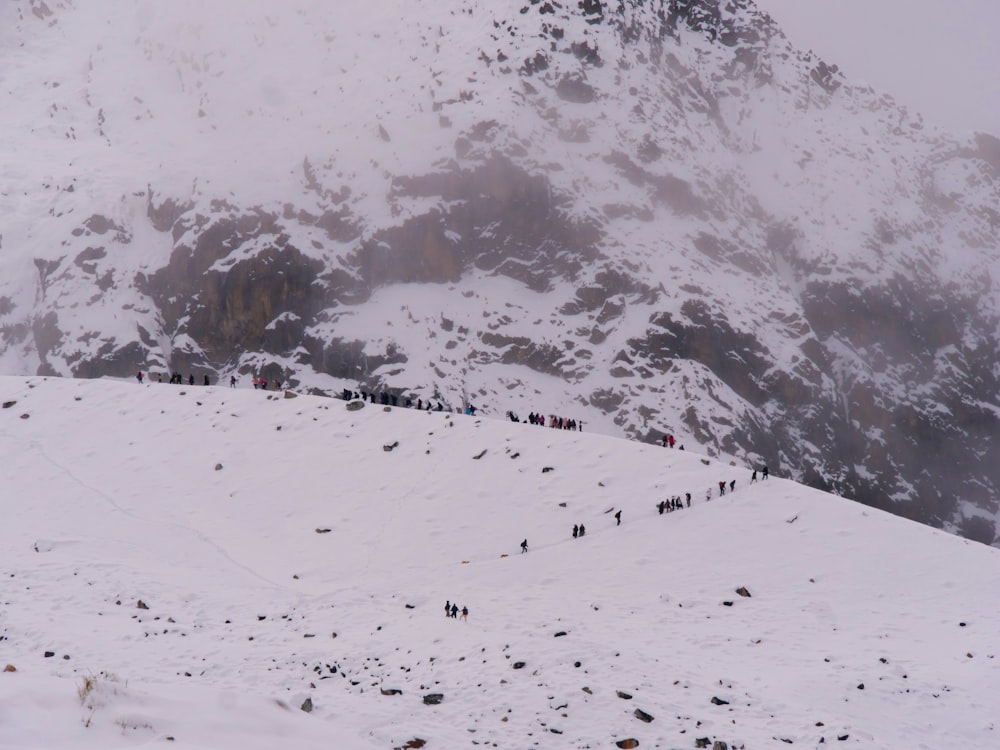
(355, 405)
(8, 404)
(742, 591)
(387, 408)
(560, 634)
(588, 691)
(388, 448)
(433, 699)
(141, 605)
(49, 654)
(218, 467)
(961, 624)
(25, 416)
(623, 696)
(547, 469)
(10, 668)
(842, 737)
(727, 604)
(719, 701)
(629, 743)
(414, 743)
(291, 394)
(861, 686)
(642, 715)
(322, 531)
(391, 691)
(706, 462)
(519, 665)
(307, 705)
(701, 742)
(479, 455)
(719, 745)
(66, 657)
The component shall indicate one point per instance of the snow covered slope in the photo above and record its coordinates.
(654, 216)
(282, 554)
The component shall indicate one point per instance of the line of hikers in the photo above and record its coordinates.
(451, 610)
(175, 378)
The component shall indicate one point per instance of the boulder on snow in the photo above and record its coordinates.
(307, 705)
(433, 699)
(742, 591)
(629, 743)
(10, 668)
(141, 605)
(642, 715)
(355, 405)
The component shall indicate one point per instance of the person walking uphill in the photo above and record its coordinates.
(465, 614)
(618, 518)
(524, 546)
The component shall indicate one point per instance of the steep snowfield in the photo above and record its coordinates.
(283, 554)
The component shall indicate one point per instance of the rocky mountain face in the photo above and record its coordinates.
(654, 216)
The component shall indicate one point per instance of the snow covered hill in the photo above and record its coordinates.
(654, 216)
(194, 565)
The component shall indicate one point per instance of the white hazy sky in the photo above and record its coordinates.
(943, 59)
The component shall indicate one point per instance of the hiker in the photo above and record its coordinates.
(576, 531)
(524, 546)
(722, 488)
(232, 381)
(618, 518)
(454, 611)
(465, 614)
(207, 380)
(660, 506)
(732, 486)
(753, 477)
(191, 378)
(763, 472)
(447, 608)
(688, 496)
(582, 530)
(138, 376)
